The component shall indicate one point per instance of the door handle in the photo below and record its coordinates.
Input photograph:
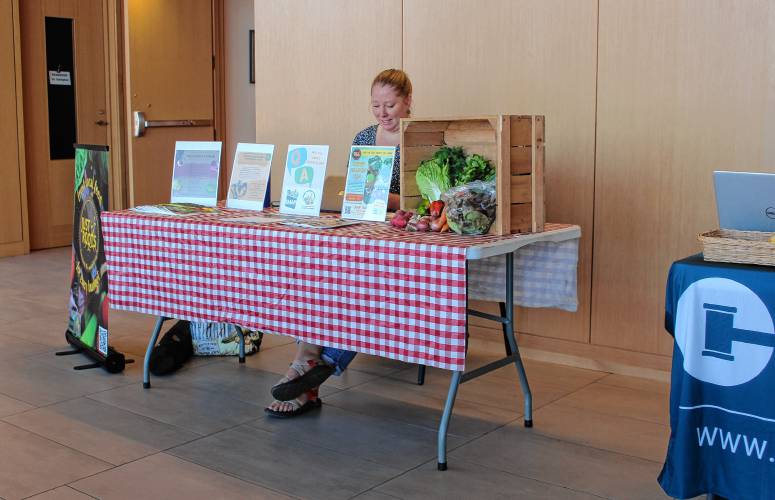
(101, 123)
(141, 123)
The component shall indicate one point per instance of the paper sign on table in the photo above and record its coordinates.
(250, 176)
(305, 171)
(262, 218)
(368, 182)
(318, 222)
(195, 172)
(177, 209)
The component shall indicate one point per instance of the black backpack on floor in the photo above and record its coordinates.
(174, 349)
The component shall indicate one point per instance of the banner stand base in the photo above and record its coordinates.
(87, 367)
(68, 353)
(114, 362)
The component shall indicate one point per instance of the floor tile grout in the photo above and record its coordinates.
(559, 402)
(79, 491)
(80, 452)
(584, 445)
(118, 408)
(394, 478)
(200, 435)
(245, 480)
(543, 481)
(666, 390)
(333, 450)
(66, 485)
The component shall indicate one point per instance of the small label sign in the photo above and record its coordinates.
(59, 78)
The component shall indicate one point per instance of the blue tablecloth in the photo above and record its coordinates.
(722, 398)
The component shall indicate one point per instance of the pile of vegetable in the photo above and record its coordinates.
(436, 221)
(458, 194)
(443, 180)
(449, 167)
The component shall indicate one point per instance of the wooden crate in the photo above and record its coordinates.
(515, 147)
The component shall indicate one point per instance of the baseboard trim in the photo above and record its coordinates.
(13, 249)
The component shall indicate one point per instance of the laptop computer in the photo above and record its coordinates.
(745, 200)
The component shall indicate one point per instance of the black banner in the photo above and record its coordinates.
(88, 321)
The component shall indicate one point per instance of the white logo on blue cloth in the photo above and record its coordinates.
(724, 332)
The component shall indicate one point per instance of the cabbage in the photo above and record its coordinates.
(432, 179)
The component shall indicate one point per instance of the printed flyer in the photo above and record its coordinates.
(318, 222)
(250, 176)
(178, 209)
(195, 172)
(88, 308)
(305, 171)
(367, 186)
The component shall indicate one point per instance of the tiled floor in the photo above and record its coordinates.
(202, 433)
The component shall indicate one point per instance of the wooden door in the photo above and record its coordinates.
(65, 35)
(13, 209)
(170, 62)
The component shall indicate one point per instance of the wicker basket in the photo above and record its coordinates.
(741, 247)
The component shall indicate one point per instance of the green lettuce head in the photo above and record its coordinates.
(432, 179)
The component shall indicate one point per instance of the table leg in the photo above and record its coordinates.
(241, 335)
(151, 345)
(442, 452)
(502, 307)
(508, 330)
(420, 374)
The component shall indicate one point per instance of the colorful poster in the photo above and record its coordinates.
(250, 176)
(305, 171)
(195, 172)
(88, 318)
(367, 186)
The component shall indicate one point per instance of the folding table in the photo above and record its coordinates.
(369, 287)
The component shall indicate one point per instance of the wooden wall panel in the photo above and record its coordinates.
(13, 201)
(314, 65)
(520, 57)
(685, 88)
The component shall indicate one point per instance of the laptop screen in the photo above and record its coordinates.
(745, 200)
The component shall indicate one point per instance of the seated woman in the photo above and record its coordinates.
(297, 391)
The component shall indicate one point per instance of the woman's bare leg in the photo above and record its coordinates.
(304, 352)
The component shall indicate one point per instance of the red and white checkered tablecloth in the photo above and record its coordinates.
(369, 288)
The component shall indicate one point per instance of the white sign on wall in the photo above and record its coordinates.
(59, 78)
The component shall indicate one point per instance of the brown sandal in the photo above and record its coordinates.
(310, 377)
(299, 408)
(299, 367)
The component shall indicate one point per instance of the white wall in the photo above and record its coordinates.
(240, 95)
